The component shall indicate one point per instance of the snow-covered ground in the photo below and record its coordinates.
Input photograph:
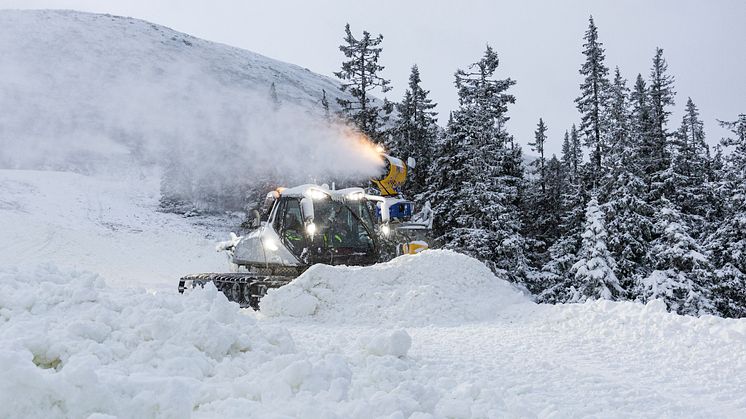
(91, 323)
(106, 225)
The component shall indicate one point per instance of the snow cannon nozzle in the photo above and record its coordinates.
(392, 177)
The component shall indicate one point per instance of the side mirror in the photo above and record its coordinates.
(306, 207)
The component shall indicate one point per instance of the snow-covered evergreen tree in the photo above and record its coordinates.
(572, 153)
(542, 215)
(560, 242)
(360, 75)
(540, 137)
(660, 98)
(641, 128)
(415, 132)
(566, 151)
(681, 275)
(556, 273)
(727, 244)
(594, 270)
(629, 222)
(661, 95)
(476, 175)
(618, 113)
(690, 171)
(593, 99)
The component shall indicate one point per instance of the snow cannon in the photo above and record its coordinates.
(402, 226)
(393, 176)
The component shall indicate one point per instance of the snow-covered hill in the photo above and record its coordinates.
(81, 91)
(428, 336)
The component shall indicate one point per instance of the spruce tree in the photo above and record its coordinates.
(593, 99)
(475, 177)
(540, 137)
(559, 235)
(727, 244)
(541, 215)
(594, 270)
(556, 274)
(618, 111)
(629, 216)
(661, 98)
(641, 127)
(690, 171)
(567, 152)
(414, 133)
(681, 275)
(572, 153)
(661, 95)
(360, 75)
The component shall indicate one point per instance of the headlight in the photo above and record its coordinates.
(316, 194)
(269, 244)
(355, 196)
(311, 229)
(385, 230)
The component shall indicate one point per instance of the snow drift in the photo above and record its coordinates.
(72, 347)
(433, 287)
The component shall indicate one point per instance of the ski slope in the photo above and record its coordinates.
(106, 225)
(91, 323)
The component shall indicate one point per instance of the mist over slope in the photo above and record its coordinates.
(79, 91)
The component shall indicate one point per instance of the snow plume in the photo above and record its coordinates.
(83, 92)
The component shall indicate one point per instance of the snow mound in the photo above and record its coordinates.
(433, 287)
(72, 347)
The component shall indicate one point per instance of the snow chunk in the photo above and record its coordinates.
(432, 287)
(396, 343)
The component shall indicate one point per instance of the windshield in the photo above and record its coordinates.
(343, 224)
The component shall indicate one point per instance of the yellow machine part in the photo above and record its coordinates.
(412, 248)
(394, 176)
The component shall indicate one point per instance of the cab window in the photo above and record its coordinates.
(291, 226)
(340, 225)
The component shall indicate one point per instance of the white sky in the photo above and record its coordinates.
(539, 43)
